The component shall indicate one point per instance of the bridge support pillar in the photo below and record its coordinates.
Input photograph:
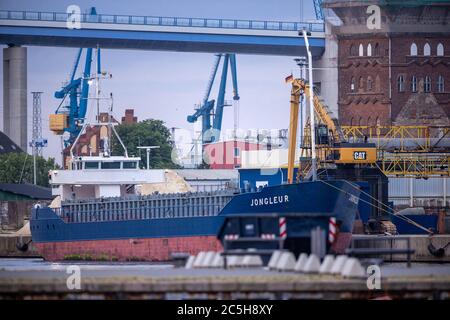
(15, 95)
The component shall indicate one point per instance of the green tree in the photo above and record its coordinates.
(148, 132)
(18, 168)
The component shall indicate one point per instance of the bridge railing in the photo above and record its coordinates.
(164, 21)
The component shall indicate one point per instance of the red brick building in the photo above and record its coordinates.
(398, 73)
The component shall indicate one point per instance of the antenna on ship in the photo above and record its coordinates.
(95, 80)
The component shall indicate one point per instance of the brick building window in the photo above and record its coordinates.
(413, 50)
(376, 50)
(440, 49)
(427, 85)
(369, 50)
(413, 84)
(400, 84)
(361, 50)
(353, 51)
(377, 84)
(440, 84)
(352, 85)
(426, 49)
(361, 83)
(369, 83)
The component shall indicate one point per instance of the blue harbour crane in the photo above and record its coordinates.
(70, 117)
(211, 113)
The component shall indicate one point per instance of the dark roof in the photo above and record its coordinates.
(29, 190)
(7, 145)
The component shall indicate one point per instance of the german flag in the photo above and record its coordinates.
(289, 78)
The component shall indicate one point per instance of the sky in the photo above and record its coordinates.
(167, 85)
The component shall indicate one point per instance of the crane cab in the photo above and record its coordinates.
(355, 153)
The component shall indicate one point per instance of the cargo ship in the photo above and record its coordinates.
(157, 227)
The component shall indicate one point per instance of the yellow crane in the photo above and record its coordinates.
(395, 150)
(330, 142)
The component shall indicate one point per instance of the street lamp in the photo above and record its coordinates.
(148, 148)
(311, 105)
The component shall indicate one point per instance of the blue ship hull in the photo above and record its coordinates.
(51, 230)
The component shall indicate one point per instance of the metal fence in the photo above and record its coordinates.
(164, 21)
(431, 192)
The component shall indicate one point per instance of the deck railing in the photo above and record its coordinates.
(164, 21)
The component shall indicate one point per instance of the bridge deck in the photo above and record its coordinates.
(159, 33)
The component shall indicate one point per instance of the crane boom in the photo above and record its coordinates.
(318, 9)
(331, 141)
(211, 111)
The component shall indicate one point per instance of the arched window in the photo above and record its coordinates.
(440, 84)
(426, 49)
(377, 84)
(353, 51)
(376, 50)
(400, 83)
(369, 121)
(427, 85)
(352, 85)
(369, 50)
(413, 50)
(369, 83)
(440, 49)
(361, 83)
(413, 84)
(361, 50)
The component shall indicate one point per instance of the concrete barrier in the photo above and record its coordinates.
(353, 269)
(286, 262)
(274, 259)
(312, 265)
(217, 261)
(252, 261)
(234, 261)
(207, 260)
(198, 262)
(338, 264)
(190, 262)
(301, 261)
(327, 264)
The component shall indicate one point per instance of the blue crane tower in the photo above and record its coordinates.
(70, 118)
(211, 113)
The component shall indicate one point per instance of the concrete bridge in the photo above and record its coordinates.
(160, 33)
